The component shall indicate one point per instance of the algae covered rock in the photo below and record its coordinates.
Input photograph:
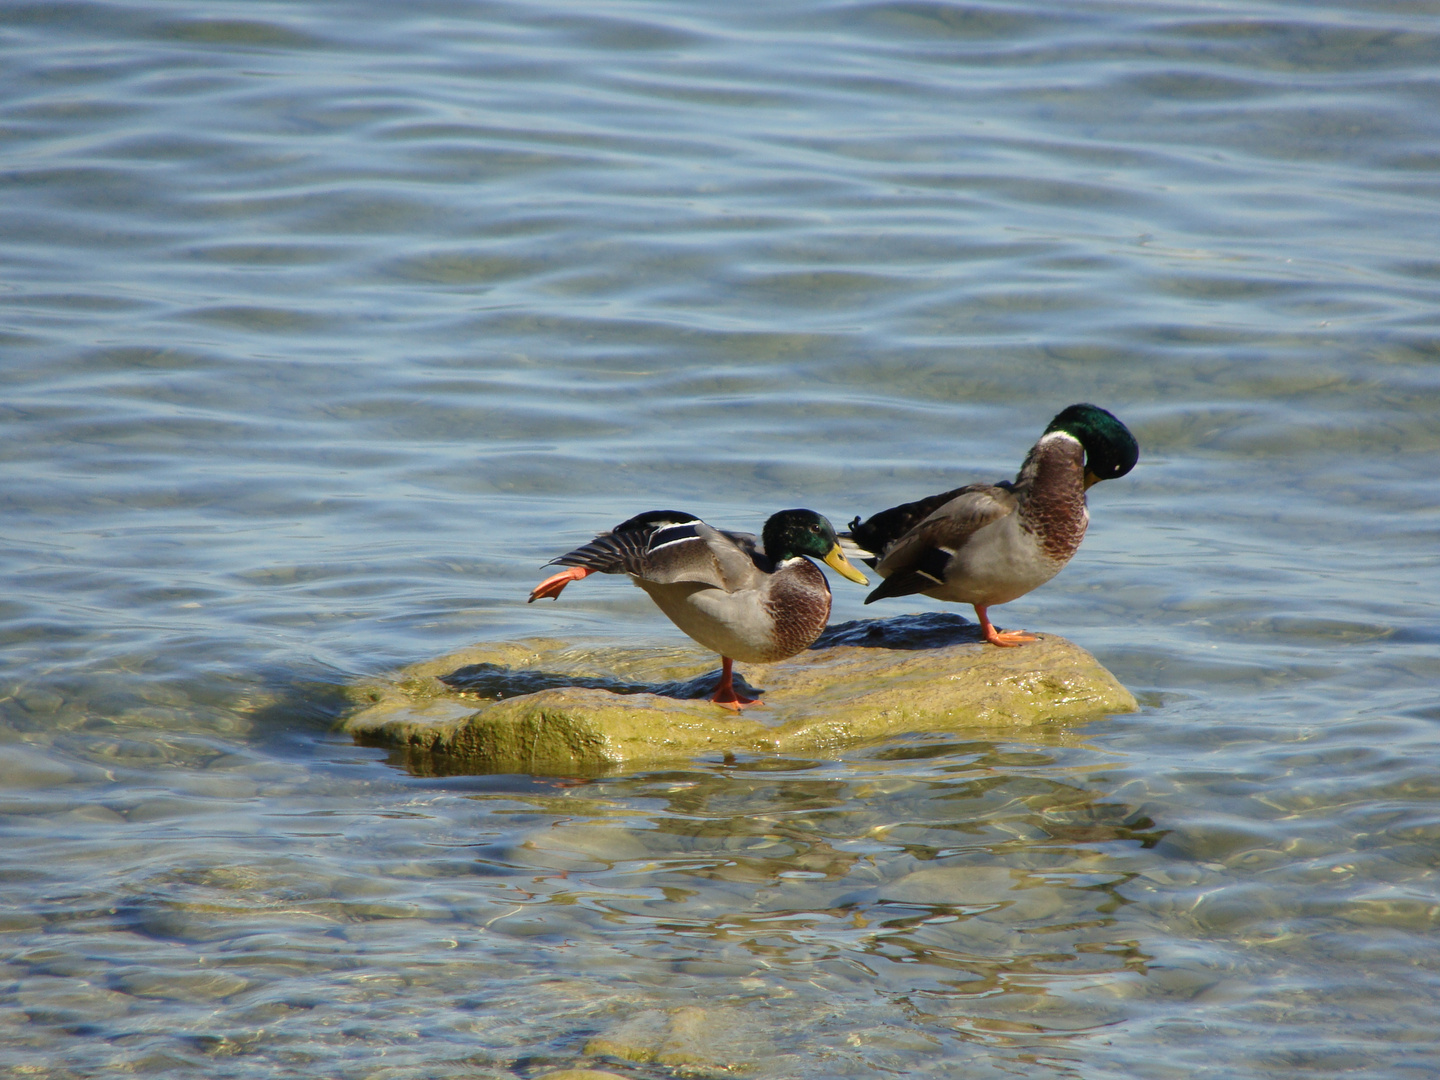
(691, 1036)
(546, 706)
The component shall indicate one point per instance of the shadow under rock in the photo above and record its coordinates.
(495, 682)
(918, 630)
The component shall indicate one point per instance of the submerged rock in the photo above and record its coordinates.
(690, 1036)
(555, 707)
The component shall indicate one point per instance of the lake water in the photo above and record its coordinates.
(324, 325)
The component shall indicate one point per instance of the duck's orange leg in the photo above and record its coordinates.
(553, 584)
(1002, 638)
(725, 695)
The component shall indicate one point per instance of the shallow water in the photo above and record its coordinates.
(324, 325)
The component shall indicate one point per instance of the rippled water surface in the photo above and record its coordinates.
(323, 325)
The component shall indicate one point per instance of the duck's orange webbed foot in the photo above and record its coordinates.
(1004, 638)
(1007, 638)
(725, 695)
(553, 585)
(735, 702)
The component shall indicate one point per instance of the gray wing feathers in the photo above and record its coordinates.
(608, 553)
(709, 557)
(669, 552)
(734, 555)
(683, 559)
(949, 526)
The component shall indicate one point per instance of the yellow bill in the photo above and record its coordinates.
(836, 561)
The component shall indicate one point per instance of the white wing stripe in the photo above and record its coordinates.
(673, 534)
(671, 543)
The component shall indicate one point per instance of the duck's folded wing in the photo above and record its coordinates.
(917, 560)
(878, 532)
(702, 555)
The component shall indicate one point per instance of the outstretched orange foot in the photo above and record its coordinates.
(725, 695)
(553, 585)
(1003, 638)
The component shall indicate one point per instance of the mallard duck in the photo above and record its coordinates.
(756, 602)
(987, 544)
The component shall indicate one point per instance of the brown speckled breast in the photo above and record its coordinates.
(799, 605)
(1054, 511)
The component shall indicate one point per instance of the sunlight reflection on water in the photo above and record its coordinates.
(325, 325)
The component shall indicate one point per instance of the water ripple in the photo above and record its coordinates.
(325, 325)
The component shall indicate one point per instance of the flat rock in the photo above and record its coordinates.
(686, 1038)
(561, 708)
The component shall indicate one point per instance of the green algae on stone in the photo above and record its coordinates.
(688, 1037)
(547, 706)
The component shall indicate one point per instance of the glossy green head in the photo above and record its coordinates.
(804, 532)
(1110, 449)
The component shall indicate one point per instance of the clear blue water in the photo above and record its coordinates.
(323, 325)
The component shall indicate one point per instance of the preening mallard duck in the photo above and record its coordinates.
(987, 544)
(756, 602)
